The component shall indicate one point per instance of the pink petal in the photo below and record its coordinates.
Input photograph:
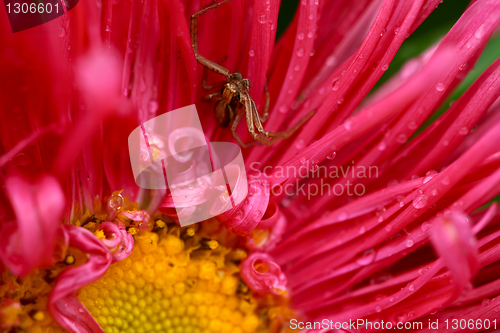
(28, 243)
(263, 275)
(63, 304)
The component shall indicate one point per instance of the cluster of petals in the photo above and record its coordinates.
(417, 244)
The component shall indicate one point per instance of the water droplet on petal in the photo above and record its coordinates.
(300, 144)
(382, 146)
(300, 53)
(396, 31)
(378, 308)
(340, 101)
(420, 201)
(251, 53)
(153, 106)
(388, 227)
(303, 160)
(409, 243)
(440, 86)
(257, 216)
(434, 192)
(401, 138)
(485, 302)
(412, 125)
(262, 18)
(296, 68)
(411, 288)
(362, 230)
(310, 34)
(314, 168)
(463, 131)
(108, 28)
(366, 258)
(336, 85)
(332, 155)
(300, 36)
(425, 226)
(446, 181)
(348, 125)
(385, 67)
(401, 204)
(282, 109)
(342, 216)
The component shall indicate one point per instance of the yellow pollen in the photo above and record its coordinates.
(170, 285)
(99, 234)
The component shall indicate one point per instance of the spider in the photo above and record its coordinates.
(234, 100)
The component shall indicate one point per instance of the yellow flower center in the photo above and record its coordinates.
(167, 285)
(176, 280)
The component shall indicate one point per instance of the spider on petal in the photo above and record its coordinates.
(234, 100)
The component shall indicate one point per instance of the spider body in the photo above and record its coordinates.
(234, 100)
(232, 93)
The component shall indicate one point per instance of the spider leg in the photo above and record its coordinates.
(211, 96)
(266, 106)
(277, 135)
(205, 76)
(236, 136)
(194, 41)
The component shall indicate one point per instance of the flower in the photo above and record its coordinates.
(366, 213)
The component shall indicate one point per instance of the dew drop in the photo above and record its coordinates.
(251, 53)
(262, 18)
(330, 61)
(411, 288)
(485, 302)
(463, 131)
(412, 314)
(310, 34)
(446, 143)
(282, 109)
(385, 67)
(401, 204)
(446, 181)
(300, 36)
(257, 216)
(396, 31)
(366, 258)
(300, 53)
(401, 138)
(420, 201)
(434, 192)
(425, 226)
(378, 308)
(412, 125)
(480, 32)
(388, 227)
(362, 230)
(348, 125)
(382, 146)
(342, 216)
(153, 106)
(428, 176)
(336, 85)
(311, 17)
(340, 101)
(332, 156)
(440, 86)
(322, 91)
(381, 219)
(303, 160)
(108, 28)
(300, 144)
(462, 66)
(409, 243)
(296, 68)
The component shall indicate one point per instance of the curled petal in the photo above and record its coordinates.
(29, 242)
(119, 241)
(141, 217)
(263, 275)
(245, 217)
(63, 304)
(454, 241)
(269, 231)
(112, 233)
(125, 248)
